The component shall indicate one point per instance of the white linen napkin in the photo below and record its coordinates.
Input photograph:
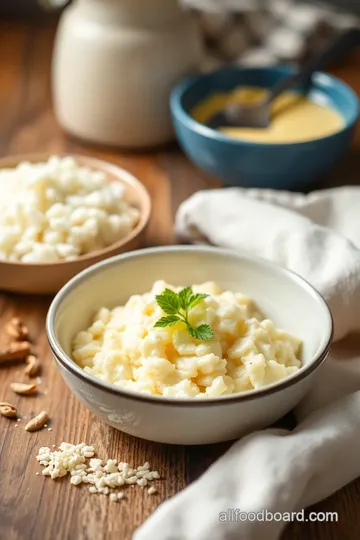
(317, 236)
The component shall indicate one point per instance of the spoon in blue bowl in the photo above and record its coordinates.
(258, 114)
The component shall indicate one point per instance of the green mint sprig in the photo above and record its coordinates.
(177, 307)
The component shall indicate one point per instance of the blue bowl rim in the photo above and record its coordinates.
(184, 117)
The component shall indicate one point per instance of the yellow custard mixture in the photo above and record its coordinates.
(294, 118)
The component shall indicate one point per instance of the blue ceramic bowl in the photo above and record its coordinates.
(283, 166)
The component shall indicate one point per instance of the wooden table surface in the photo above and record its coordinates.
(34, 507)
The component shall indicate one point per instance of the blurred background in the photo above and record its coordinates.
(28, 8)
(254, 32)
(35, 103)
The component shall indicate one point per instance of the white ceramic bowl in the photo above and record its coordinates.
(282, 296)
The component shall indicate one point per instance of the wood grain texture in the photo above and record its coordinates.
(32, 507)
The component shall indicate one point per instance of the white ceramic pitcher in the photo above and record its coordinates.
(115, 63)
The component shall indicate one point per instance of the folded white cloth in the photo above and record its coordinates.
(317, 236)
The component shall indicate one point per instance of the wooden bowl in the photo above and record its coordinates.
(48, 278)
